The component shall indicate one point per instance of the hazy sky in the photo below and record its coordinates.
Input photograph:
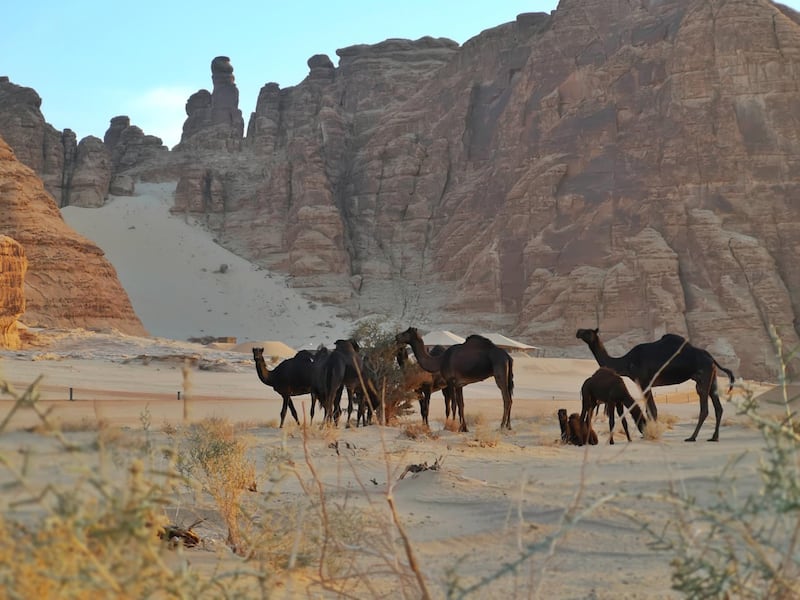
(91, 60)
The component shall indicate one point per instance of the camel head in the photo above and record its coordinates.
(407, 336)
(349, 346)
(590, 336)
(258, 353)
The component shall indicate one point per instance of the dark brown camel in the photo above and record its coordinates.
(292, 377)
(343, 368)
(574, 431)
(461, 364)
(425, 383)
(668, 361)
(607, 388)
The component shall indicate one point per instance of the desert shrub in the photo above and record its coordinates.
(225, 470)
(379, 349)
(94, 537)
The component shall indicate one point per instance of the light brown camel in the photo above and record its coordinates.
(461, 364)
(668, 361)
(607, 388)
(292, 377)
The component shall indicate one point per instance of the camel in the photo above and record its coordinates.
(425, 383)
(574, 431)
(292, 377)
(668, 361)
(476, 359)
(342, 368)
(318, 379)
(607, 388)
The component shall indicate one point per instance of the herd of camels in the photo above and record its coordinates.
(325, 374)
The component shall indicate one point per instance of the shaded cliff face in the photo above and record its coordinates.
(68, 282)
(13, 265)
(602, 165)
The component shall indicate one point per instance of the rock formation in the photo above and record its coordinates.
(634, 168)
(598, 165)
(77, 173)
(13, 265)
(69, 283)
(214, 120)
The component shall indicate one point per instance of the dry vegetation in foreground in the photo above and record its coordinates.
(121, 532)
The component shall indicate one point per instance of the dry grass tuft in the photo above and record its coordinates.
(452, 425)
(486, 437)
(418, 431)
(654, 430)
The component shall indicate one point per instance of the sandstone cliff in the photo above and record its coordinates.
(632, 168)
(13, 265)
(69, 283)
(627, 166)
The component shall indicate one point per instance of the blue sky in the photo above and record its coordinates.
(91, 60)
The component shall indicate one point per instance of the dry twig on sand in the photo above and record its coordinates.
(422, 467)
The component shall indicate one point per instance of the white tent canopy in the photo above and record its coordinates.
(442, 337)
(506, 342)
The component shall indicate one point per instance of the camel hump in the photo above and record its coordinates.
(673, 338)
(305, 355)
(479, 339)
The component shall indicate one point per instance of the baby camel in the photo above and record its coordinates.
(608, 388)
(574, 431)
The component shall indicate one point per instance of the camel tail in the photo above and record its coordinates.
(728, 372)
(510, 375)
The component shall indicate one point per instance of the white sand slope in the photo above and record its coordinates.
(171, 271)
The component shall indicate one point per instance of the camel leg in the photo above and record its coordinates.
(717, 409)
(502, 379)
(652, 410)
(702, 391)
(337, 405)
(459, 400)
(283, 409)
(311, 411)
(424, 405)
(294, 412)
(621, 415)
(611, 424)
(585, 421)
(502, 383)
(350, 405)
(449, 405)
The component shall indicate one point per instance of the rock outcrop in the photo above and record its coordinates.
(77, 173)
(69, 283)
(598, 165)
(13, 266)
(214, 120)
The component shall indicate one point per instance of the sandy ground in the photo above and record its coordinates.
(498, 497)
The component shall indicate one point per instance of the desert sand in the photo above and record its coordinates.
(497, 496)
(507, 514)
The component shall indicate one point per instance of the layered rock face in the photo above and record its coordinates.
(601, 165)
(69, 283)
(77, 173)
(13, 265)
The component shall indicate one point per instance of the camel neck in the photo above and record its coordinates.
(602, 356)
(263, 372)
(432, 364)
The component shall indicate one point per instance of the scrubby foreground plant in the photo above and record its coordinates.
(745, 544)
